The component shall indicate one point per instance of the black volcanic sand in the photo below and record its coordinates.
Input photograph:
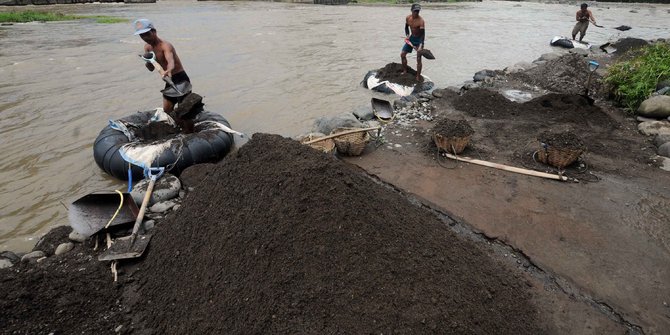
(71, 293)
(280, 239)
(564, 140)
(393, 73)
(452, 128)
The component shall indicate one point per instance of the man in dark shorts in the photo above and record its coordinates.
(414, 24)
(167, 57)
(583, 17)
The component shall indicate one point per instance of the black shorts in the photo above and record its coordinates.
(176, 79)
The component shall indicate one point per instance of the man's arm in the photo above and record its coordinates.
(406, 28)
(169, 58)
(577, 17)
(592, 18)
(149, 66)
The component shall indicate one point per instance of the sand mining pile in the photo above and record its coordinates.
(393, 73)
(567, 74)
(71, 293)
(280, 238)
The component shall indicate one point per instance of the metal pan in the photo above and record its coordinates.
(382, 109)
(90, 213)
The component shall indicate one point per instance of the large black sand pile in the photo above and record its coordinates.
(283, 239)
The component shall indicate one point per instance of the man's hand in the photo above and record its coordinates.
(167, 74)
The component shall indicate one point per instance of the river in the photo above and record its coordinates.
(267, 67)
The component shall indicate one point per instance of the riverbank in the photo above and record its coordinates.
(309, 243)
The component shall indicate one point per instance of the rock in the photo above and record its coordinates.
(63, 248)
(468, 85)
(665, 164)
(654, 128)
(662, 85)
(163, 206)
(176, 207)
(437, 93)
(423, 100)
(655, 107)
(182, 194)
(12, 257)
(149, 224)
(549, 56)
(426, 95)
(32, 255)
(664, 150)
(520, 67)
(483, 74)
(52, 239)
(579, 51)
(76, 237)
(364, 114)
(662, 91)
(167, 187)
(326, 125)
(5, 263)
(399, 104)
(410, 98)
(661, 139)
(644, 119)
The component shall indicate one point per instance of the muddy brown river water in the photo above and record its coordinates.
(267, 67)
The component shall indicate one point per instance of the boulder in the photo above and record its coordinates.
(549, 56)
(519, 67)
(364, 114)
(5, 263)
(483, 74)
(655, 107)
(654, 128)
(163, 206)
(32, 256)
(167, 187)
(665, 164)
(63, 248)
(661, 139)
(664, 150)
(326, 125)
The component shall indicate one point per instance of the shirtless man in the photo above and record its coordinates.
(583, 17)
(167, 57)
(417, 26)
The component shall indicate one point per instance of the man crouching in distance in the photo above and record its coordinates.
(414, 41)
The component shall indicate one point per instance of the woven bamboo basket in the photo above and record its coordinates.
(351, 144)
(327, 145)
(454, 145)
(558, 157)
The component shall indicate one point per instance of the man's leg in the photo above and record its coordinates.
(418, 67)
(403, 58)
(575, 30)
(582, 32)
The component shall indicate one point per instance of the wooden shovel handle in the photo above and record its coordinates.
(143, 208)
(342, 133)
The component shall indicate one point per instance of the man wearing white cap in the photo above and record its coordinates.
(414, 41)
(167, 57)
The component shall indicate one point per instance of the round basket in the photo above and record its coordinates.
(454, 145)
(327, 145)
(558, 157)
(351, 144)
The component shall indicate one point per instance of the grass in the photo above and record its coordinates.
(32, 16)
(634, 79)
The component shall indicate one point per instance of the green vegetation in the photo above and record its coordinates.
(634, 79)
(31, 16)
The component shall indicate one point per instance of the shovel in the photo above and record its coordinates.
(92, 212)
(423, 52)
(593, 66)
(382, 109)
(133, 246)
(150, 57)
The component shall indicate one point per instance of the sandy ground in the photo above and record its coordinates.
(599, 250)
